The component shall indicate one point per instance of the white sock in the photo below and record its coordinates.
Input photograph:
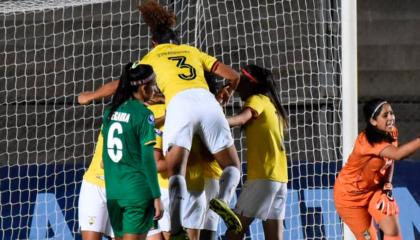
(177, 194)
(228, 183)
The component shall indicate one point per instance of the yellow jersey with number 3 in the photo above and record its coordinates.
(178, 67)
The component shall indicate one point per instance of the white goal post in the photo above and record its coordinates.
(51, 50)
(349, 79)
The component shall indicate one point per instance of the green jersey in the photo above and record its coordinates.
(129, 165)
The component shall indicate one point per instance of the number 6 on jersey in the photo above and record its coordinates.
(115, 142)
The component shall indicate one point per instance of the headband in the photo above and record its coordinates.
(377, 108)
(248, 75)
(143, 81)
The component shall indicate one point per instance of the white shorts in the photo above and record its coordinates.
(262, 199)
(193, 111)
(153, 231)
(93, 213)
(211, 189)
(165, 222)
(193, 210)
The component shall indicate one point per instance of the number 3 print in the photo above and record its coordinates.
(181, 64)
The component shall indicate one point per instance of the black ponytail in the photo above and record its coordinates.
(263, 83)
(163, 34)
(133, 75)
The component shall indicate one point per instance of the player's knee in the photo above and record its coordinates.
(389, 226)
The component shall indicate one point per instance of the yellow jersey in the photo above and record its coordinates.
(178, 67)
(210, 166)
(158, 111)
(211, 169)
(194, 175)
(95, 172)
(264, 135)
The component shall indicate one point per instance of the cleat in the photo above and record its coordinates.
(229, 217)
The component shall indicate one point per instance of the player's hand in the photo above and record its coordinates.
(387, 204)
(84, 98)
(156, 99)
(224, 94)
(158, 209)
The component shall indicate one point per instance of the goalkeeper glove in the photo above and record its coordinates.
(387, 204)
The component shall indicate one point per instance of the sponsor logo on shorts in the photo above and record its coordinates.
(100, 177)
(91, 220)
(366, 235)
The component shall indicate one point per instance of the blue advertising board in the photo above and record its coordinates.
(34, 197)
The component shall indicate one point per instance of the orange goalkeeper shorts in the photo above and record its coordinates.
(358, 218)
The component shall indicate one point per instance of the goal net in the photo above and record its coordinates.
(54, 49)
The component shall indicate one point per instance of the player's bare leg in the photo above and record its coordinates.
(389, 226)
(91, 235)
(130, 236)
(157, 236)
(233, 235)
(208, 235)
(193, 234)
(273, 229)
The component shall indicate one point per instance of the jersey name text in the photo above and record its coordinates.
(120, 117)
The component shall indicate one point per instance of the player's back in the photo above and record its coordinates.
(129, 129)
(178, 67)
(266, 159)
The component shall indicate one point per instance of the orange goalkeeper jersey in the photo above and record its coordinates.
(365, 170)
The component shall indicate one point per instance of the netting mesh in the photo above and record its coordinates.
(53, 50)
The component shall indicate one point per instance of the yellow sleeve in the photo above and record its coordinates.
(207, 60)
(158, 144)
(255, 102)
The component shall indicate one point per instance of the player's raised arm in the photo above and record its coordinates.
(105, 90)
(241, 118)
(399, 153)
(226, 72)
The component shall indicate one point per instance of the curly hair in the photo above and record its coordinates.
(156, 16)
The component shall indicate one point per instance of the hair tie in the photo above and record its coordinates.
(135, 64)
(248, 75)
(377, 108)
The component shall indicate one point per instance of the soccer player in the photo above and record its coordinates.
(133, 195)
(195, 206)
(264, 120)
(202, 172)
(363, 188)
(191, 109)
(93, 214)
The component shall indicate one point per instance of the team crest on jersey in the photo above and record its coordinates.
(151, 119)
(158, 132)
